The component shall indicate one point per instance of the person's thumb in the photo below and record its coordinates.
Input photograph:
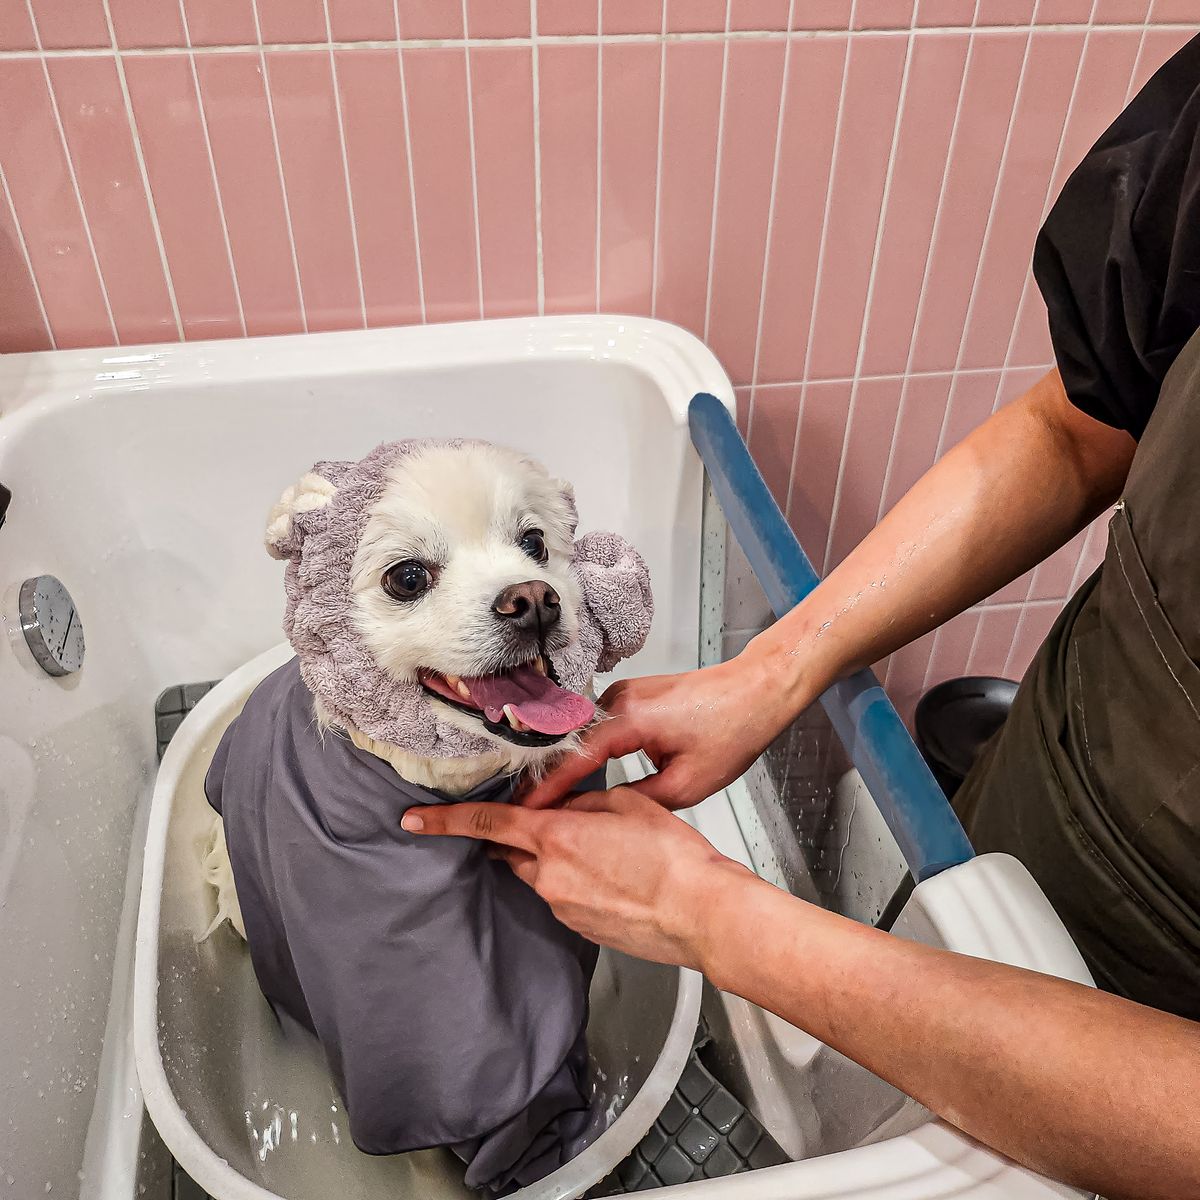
(672, 787)
(620, 801)
(610, 739)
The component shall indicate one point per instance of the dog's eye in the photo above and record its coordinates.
(406, 580)
(534, 544)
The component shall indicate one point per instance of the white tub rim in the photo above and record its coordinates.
(674, 360)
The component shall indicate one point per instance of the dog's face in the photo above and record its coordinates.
(461, 582)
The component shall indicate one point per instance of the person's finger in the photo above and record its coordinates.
(611, 698)
(669, 788)
(500, 823)
(523, 866)
(619, 800)
(610, 739)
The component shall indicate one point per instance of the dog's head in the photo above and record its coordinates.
(462, 582)
(438, 600)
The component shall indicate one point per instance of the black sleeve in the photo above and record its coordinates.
(1118, 260)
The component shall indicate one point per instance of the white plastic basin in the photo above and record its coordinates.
(250, 1112)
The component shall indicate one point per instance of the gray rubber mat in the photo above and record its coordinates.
(703, 1132)
(186, 1188)
(172, 705)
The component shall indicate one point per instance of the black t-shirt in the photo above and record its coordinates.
(1118, 260)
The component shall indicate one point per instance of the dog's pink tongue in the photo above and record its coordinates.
(537, 701)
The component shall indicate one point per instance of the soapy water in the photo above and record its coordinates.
(271, 1126)
(613, 1094)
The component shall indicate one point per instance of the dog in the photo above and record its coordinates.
(447, 625)
(460, 584)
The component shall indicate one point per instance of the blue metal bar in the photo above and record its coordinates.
(918, 814)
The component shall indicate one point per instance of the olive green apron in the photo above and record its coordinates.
(1094, 781)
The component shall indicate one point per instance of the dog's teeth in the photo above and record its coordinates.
(453, 680)
(514, 720)
(539, 665)
(462, 689)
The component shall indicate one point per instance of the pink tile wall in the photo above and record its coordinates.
(846, 212)
(312, 156)
(690, 124)
(238, 120)
(439, 125)
(183, 187)
(100, 145)
(631, 84)
(568, 133)
(505, 178)
(372, 101)
(753, 78)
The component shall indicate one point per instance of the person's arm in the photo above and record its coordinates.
(1077, 1084)
(1000, 501)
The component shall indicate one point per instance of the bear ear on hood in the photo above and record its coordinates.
(566, 495)
(615, 583)
(299, 510)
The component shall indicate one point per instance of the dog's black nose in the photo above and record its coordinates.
(532, 606)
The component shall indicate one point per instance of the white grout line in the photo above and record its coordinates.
(1047, 202)
(933, 650)
(716, 193)
(599, 135)
(941, 373)
(1048, 197)
(987, 606)
(1097, 529)
(586, 39)
(474, 167)
(877, 246)
(1026, 608)
(976, 649)
(62, 135)
(287, 208)
(412, 177)
(973, 651)
(1022, 80)
(891, 671)
(816, 285)
(1137, 58)
(924, 283)
(941, 442)
(537, 158)
(136, 138)
(662, 101)
(341, 125)
(766, 261)
(37, 291)
(791, 487)
(212, 166)
(908, 372)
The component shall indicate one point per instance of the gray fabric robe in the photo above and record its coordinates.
(450, 1003)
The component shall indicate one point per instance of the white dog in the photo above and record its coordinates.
(464, 583)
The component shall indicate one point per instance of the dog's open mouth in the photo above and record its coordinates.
(524, 705)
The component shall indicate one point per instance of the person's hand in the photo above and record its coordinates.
(701, 730)
(614, 866)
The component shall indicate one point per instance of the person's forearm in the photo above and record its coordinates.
(1074, 1083)
(1010, 494)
